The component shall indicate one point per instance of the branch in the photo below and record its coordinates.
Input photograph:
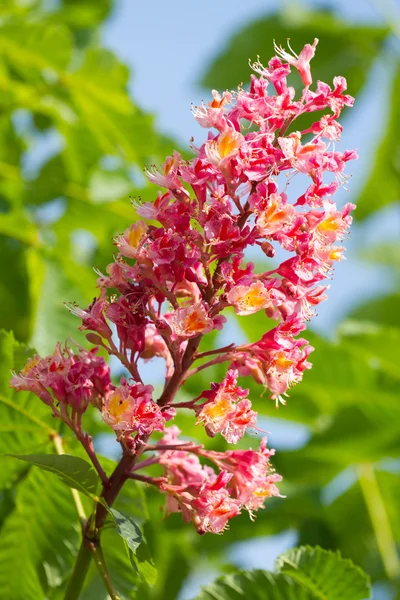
(98, 557)
(86, 441)
(210, 363)
(152, 480)
(217, 351)
(79, 573)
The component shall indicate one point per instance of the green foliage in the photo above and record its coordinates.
(58, 217)
(136, 546)
(39, 538)
(72, 470)
(302, 574)
(383, 184)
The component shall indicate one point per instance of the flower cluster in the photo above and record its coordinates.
(245, 479)
(183, 263)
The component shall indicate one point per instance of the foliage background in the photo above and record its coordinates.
(73, 143)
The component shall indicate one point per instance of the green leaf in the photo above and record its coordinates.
(52, 321)
(257, 585)
(383, 311)
(387, 254)
(132, 535)
(326, 574)
(303, 574)
(72, 470)
(37, 47)
(127, 529)
(383, 184)
(39, 537)
(378, 346)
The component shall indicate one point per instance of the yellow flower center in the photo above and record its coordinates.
(227, 143)
(329, 224)
(217, 409)
(335, 254)
(283, 362)
(32, 362)
(117, 407)
(136, 233)
(254, 298)
(169, 163)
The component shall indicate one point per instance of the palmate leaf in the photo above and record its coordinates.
(40, 536)
(326, 574)
(304, 573)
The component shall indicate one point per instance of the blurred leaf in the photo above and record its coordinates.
(56, 289)
(383, 184)
(383, 311)
(344, 49)
(41, 531)
(378, 346)
(385, 254)
(72, 470)
(348, 520)
(14, 288)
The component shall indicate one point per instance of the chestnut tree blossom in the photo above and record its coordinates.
(182, 264)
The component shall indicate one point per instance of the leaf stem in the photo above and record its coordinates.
(379, 519)
(98, 557)
(81, 568)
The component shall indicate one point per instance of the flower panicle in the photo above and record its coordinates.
(182, 264)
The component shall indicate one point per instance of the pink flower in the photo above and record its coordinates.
(221, 149)
(253, 479)
(129, 242)
(213, 115)
(227, 410)
(93, 317)
(249, 299)
(71, 379)
(190, 321)
(168, 177)
(213, 506)
(278, 215)
(300, 62)
(130, 408)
